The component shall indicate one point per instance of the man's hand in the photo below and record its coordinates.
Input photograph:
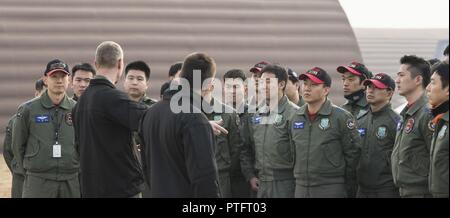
(217, 129)
(254, 184)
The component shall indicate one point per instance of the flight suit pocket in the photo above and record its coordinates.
(285, 152)
(32, 149)
(420, 165)
(333, 155)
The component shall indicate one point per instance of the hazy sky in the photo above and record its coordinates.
(397, 13)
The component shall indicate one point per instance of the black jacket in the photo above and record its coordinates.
(178, 153)
(104, 119)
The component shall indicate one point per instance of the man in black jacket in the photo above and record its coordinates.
(178, 149)
(104, 120)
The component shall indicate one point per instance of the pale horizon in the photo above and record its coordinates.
(398, 14)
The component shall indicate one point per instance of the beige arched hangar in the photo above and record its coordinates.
(237, 33)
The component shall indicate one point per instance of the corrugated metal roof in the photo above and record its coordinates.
(237, 33)
(382, 48)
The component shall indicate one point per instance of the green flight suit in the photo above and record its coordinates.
(355, 107)
(301, 102)
(327, 151)
(11, 162)
(43, 143)
(411, 154)
(136, 143)
(228, 149)
(374, 173)
(274, 151)
(247, 156)
(438, 178)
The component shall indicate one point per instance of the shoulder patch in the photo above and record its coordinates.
(409, 125)
(351, 124)
(431, 126)
(68, 119)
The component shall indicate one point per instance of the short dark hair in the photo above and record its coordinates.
(39, 85)
(84, 67)
(234, 74)
(279, 72)
(446, 51)
(175, 68)
(198, 61)
(164, 87)
(418, 67)
(441, 69)
(138, 65)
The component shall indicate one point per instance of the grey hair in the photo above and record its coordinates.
(107, 54)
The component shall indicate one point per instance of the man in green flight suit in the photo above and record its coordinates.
(326, 142)
(274, 154)
(137, 79)
(235, 92)
(377, 128)
(411, 155)
(43, 139)
(353, 77)
(437, 92)
(11, 162)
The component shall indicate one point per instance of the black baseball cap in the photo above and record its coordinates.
(318, 76)
(357, 69)
(259, 66)
(56, 65)
(381, 81)
(293, 76)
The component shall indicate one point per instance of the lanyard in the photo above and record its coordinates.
(56, 121)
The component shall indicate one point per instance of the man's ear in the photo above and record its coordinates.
(418, 80)
(120, 64)
(96, 64)
(45, 79)
(282, 85)
(327, 90)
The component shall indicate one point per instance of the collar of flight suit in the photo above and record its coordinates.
(145, 99)
(47, 102)
(382, 110)
(422, 101)
(282, 104)
(445, 117)
(325, 110)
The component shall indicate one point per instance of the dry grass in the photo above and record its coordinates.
(5, 179)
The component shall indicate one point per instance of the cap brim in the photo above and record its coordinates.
(294, 78)
(55, 71)
(376, 83)
(255, 70)
(344, 69)
(311, 77)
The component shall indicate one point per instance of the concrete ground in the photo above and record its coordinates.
(5, 179)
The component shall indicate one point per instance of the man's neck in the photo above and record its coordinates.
(56, 98)
(296, 98)
(136, 99)
(378, 107)
(412, 97)
(313, 108)
(273, 105)
(108, 74)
